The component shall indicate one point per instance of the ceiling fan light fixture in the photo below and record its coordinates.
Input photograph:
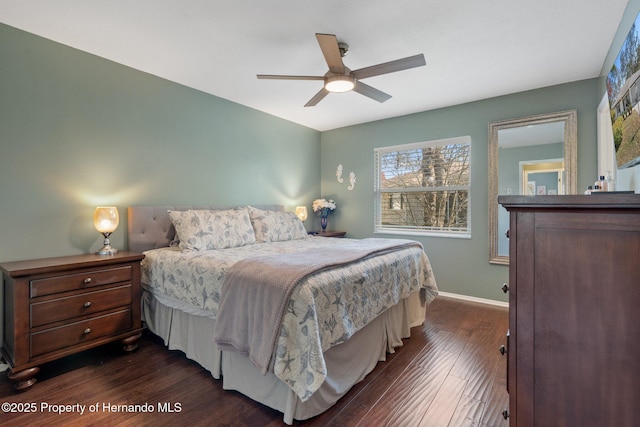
(339, 83)
(340, 78)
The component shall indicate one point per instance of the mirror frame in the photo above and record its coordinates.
(570, 149)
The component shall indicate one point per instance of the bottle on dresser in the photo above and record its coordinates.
(603, 184)
(611, 183)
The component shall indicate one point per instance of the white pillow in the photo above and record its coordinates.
(276, 226)
(200, 230)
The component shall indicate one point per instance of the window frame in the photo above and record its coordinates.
(380, 228)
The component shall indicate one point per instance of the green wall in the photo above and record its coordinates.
(460, 265)
(77, 131)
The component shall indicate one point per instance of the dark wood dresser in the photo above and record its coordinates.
(55, 307)
(574, 310)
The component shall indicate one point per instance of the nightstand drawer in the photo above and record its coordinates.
(79, 332)
(72, 282)
(78, 305)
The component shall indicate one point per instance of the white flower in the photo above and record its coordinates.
(321, 204)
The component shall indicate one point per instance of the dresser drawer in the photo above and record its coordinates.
(84, 280)
(88, 303)
(79, 332)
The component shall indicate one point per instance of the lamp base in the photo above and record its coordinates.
(107, 250)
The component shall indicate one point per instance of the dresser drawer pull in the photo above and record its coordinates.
(87, 280)
(87, 331)
(87, 304)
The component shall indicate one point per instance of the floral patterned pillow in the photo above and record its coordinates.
(200, 230)
(276, 226)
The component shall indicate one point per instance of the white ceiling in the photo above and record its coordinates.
(474, 49)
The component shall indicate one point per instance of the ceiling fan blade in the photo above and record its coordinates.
(371, 92)
(390, 67)
(317, 98)
(280, 77)
(329, 46)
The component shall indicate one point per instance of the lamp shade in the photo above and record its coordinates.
(339, 83)
(301, 212)
(106, 219)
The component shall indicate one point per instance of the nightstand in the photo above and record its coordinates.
(54, 307)
(328, 233)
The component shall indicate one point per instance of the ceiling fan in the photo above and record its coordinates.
(339, 78)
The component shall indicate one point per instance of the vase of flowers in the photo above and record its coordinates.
(323, 208)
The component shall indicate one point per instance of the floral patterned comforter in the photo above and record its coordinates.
(325, 309)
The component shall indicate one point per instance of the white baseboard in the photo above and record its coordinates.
(474, 299)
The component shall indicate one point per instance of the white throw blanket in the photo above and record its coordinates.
(256, 291)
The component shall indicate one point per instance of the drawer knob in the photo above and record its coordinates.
(87, 331)
(87, 304)
(505, 288)
(87, 280)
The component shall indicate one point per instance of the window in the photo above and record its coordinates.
(395, 201)
(423, 188)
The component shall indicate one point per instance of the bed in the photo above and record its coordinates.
(300, 347)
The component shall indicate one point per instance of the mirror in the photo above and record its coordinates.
(535, 155)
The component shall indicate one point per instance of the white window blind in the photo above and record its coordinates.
(423, 188)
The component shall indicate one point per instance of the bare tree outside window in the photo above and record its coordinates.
(424, 187)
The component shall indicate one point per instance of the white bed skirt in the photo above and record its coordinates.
(347, 363)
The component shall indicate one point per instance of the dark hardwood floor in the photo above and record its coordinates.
(449, 373)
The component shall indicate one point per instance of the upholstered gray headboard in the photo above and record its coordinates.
(149, 227)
